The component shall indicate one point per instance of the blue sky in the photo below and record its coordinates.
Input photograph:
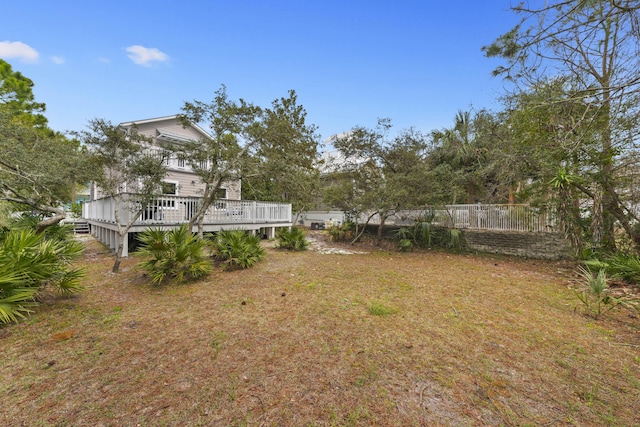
(350, 62)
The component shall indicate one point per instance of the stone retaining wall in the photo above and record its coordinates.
(552, 246)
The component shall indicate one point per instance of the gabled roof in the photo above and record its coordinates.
(162, 119)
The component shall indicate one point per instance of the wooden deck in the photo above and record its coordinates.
(172, 211)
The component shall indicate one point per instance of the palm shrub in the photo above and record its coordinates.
(292, 239)
(342, 232)
(625, 266)
(29, 263)
(622, 265)
(237, 249)
(595, 294)
(452, 238)
(177, 254)
(404, 238)
(424, 233)
(62, 232)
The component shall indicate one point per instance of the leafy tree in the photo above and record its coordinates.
(283, 167)
(559, 165)
(129, 170)
(37, 169)
(378, 175)
(17, 96)
(217, 159)
(462, 150)
(593, 47)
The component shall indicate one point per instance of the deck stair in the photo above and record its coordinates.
(81, 227)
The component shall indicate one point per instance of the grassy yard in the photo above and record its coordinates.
(310, 339)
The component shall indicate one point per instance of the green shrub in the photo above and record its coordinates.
(60, 232)
(292, 239)
(596, 297)
(342, 232)
(424, 234)
(404, 236)
(76, 209)
(453, 238)
(29, 263)
(178, 254)
(624, 266)
(237, 249)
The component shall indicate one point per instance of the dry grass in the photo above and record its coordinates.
(460, 340)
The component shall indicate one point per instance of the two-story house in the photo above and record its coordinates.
(181, 192)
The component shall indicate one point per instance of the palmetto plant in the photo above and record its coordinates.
(292, 238)
(424, 233)
(28, 263)
(237, 249)
(622, 265)
(62, 232)
(178, 254)
(595, 295)
(404, 236)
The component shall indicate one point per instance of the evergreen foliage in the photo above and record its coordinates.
(29, 263)
(237, 249)
(177, 254)
(292, 239)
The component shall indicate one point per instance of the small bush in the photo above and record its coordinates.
(178, 254)
(28, 263)
(426, 235)
(596, 296)
(58, 232)
(342, 232)
(621, 265)
(292, 239)
(237, 249)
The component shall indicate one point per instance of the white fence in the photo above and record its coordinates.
(178, 210)
(488, 217)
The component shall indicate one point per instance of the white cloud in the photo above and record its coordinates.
(19, 50)
(104, 60)
(57, 60)
(146, 55)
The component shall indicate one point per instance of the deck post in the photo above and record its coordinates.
(270, 232)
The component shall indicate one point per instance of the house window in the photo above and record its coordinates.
(169, 188)
(221, 194)
(181, 163)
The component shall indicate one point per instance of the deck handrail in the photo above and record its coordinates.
(179, 210)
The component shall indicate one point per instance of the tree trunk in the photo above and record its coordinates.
(73, 193)
(364, 228)
(381, 228)
(116, 264)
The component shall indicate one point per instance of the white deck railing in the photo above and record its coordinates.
(179, 210)
(488, 217)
